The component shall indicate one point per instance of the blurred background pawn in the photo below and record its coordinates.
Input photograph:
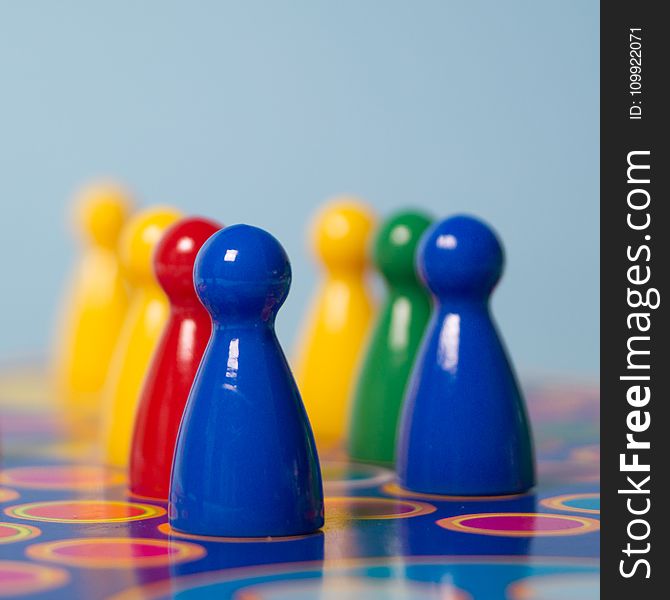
(95, 303)
(395, 340)
(337, 326)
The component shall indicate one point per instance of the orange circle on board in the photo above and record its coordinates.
(115, 553)
(15, 532)
(62, 477)
(368, 508)
(520, 524)
(18, 578)
(7, 495)
(85, 511)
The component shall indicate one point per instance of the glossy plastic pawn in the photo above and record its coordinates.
(175, 361)
(395, 340)
(95, 306)
(140, 333)
(245, 463)
(464, 428)
(335, 331)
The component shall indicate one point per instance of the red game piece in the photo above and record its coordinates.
(175, 361)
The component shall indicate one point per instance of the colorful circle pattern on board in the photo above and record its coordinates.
(429, 578)
(520, 524)
(15, 532)
(40, 556)
(85, 511)
(582, 503)
(115, 553)
(20, 578)
(349, 508)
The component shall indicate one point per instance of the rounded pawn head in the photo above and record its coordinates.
(100, 211)
(460, 256)
(396, 243)
(341, 232)
(175, 256)
(242, 272)
(138, 241)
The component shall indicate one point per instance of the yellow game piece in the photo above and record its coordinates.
(334, 335)
(141, 330)
(96, 302)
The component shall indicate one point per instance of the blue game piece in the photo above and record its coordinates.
(464, 429)
(245, 462)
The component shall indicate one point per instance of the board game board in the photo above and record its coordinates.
(69, 529)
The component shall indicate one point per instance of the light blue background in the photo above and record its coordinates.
(258, 111)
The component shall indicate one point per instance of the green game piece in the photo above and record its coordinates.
(395, 340)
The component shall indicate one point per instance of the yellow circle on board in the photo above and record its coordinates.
(15, 532)
(85, 511)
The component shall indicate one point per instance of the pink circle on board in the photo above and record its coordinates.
(364, 508)
(112, 553)
(520, 524)
(18, 578)
(117, 551)
(17, 532)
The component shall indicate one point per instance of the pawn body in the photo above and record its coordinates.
(394, 343)
(334, 335)
(96, 302)
(464, 429)
(245, 463)
(140, 333)
(175, 361)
